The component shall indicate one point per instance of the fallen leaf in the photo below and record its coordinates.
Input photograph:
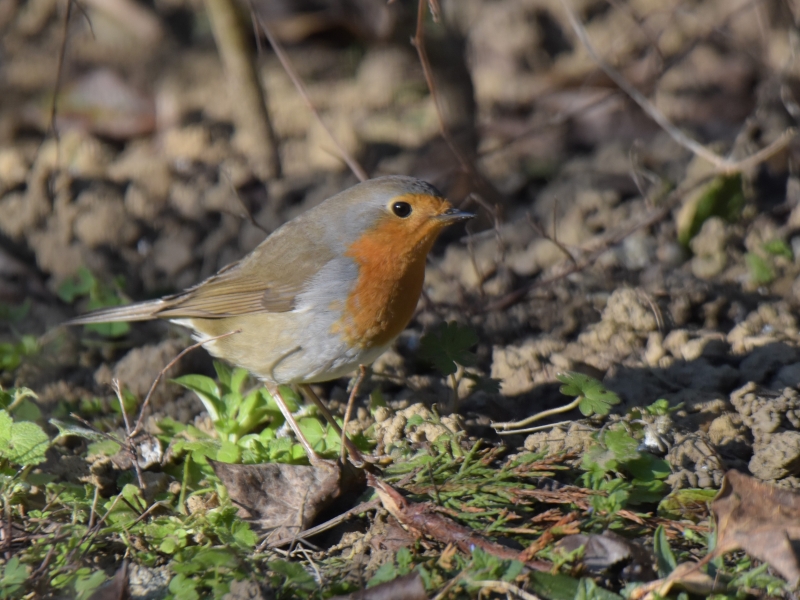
(761, 519)
(686, 576)
(609, 551)
(283, 499)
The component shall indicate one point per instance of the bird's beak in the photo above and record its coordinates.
(453, 215)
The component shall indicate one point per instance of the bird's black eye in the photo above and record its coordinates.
(401, 209)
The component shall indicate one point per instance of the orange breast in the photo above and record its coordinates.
(391, 262)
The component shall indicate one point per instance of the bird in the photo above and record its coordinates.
(324, 294)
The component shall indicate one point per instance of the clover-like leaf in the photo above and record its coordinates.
(595, 398)
(22, 443)
(448, 345)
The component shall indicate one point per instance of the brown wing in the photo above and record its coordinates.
(267, 280)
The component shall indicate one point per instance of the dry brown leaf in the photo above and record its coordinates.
(686, 576)
(281, 498)
(609, 551)
(761, 519)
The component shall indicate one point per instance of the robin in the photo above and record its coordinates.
(325, 293)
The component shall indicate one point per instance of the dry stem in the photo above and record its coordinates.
(351, 162)
(163, 371)
(722, 165)
(253, 126)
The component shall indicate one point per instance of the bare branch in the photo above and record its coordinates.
(351, 162)
(722, 165)
(253, 125)
(163, 371)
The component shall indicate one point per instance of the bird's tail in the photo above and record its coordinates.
(142, 311)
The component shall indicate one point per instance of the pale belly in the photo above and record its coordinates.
(283, 348)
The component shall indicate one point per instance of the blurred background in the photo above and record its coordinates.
(178, 141)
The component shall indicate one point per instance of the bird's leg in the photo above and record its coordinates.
(362, 374)
(274, 390)
(355, 454)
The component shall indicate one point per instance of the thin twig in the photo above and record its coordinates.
(62, 52)
(551, 238)
(500, 427)
(355, 454)
(132, 450)
(591, 255)
(171, 363)
(356, 168)
(676, 134)
(246, 90)
(722, 165)
(418, 41)
(311, 532)
(248, 213)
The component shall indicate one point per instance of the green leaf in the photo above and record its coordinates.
(778, 247)
(312, 429)
(79, 285)
(229, 452)
(134, 496)
(760, 271)
(85, 585)
(68, 429)
(648, 467)
(722, 197)
(448, 345)
(22, 443)
(621, 444)
(405, 561)
(27, 411)
(110, 330)
(238, 377)
(15, 314)
(595, 398)
(208, 392)
(686, 503)
(14, 575)
(183, 588)
(103, 448)
(297, 578)
(589, 590)
(665, 559)
(11, 355)
(385, 573)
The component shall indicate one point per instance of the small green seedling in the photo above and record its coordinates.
(22, 442)
(85, 285)
(591, 398)
(247, 422)
(12, 354)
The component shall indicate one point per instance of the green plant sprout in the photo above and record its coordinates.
(12, 354)
(591, 398)
(448, 348)
(85, 285)
(247, 423)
